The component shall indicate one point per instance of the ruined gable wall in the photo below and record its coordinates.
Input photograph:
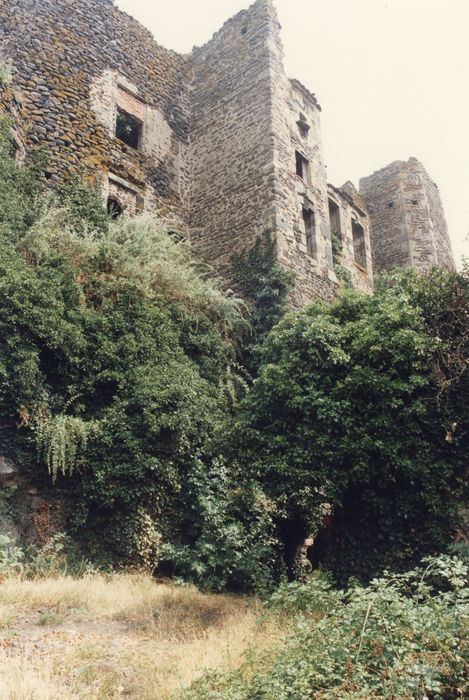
(231, 136)
(408, 224)
(69, 57)
(352, 208)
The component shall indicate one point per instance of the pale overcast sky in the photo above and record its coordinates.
(391, 76)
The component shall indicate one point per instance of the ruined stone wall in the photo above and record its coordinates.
(441, 241)
(351, 210)
(225, 142)
(249, 124)
(74, 60)
(12, 109)
(408, 224)
(297, 132)
(231, 136)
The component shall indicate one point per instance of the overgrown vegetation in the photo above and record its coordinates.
(120, 337)
(266, 285)
(184, 432)
(403, 636)
(181, 437)
(356, 426)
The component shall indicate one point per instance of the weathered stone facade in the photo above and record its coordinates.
(407, 218)
(221, 139)
(75, 62)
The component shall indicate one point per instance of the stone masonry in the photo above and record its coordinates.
(407, 219)
(220, 140)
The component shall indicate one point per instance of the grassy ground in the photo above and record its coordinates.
(122, 636)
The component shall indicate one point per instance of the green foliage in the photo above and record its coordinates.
(343, 275)
(403, 636)
(266, 285)
(348, 414)
(21, 199)
(229, 538)
(60, 440)
(82, 200)
(11, 557)
(115, 358)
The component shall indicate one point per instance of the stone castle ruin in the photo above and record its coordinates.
(220, 139)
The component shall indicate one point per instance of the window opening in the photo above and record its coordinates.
(128, 129)
(303, 125)
(310, 231)
(302, 167)
(334, 217)
(114, 208)
(359, 250)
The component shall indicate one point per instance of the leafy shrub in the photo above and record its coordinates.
(403, 636)
(266, 285)
(11, 557)
(229, 535)
(360, 408)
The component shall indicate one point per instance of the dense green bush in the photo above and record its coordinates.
(404, 636)
(266, 286)
(115, 358)
(358, 420)
(230, 538)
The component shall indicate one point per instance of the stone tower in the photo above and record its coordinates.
(257, 161)
(221, 141)
(407, 219)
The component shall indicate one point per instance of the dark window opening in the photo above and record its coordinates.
(114, 208)
(302, 167)
(415, 201)
(336, 232)
(303, 125)
(334, 217)
(244, 30)
(128, 129)
(310, 231)
(359, 250)
(390, 205)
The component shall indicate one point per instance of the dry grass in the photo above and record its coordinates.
(123, 636)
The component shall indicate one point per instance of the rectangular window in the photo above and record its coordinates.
(359, 249)
(302, 167)
(128, 129)
(334, 218)
(310, 232)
